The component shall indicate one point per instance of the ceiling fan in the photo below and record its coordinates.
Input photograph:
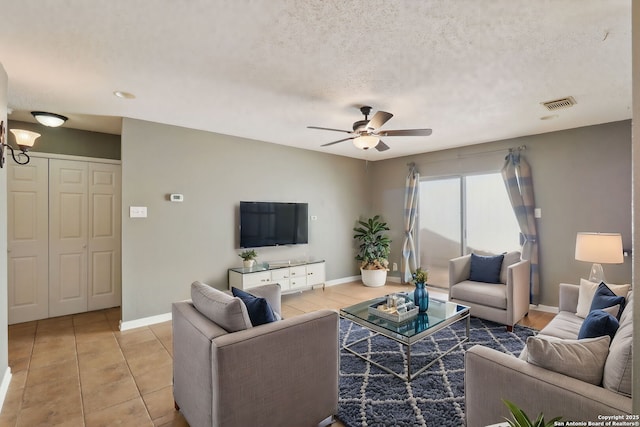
(366, 133)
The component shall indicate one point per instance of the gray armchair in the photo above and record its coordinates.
(283, 373)
(505, 302)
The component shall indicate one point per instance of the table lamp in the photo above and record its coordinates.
(599, 248)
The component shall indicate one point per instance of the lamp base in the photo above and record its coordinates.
(597, 273)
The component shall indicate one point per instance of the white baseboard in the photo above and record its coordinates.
(342, 280)
(145, 321)
(4, 386)
(545, 308)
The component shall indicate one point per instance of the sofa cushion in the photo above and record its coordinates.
(588, 290)
(564, 325)
(228, 312)
(488, 294)
(605, 298)
(259, 310)
(617, 369)
(486, 268)
(581, 359)
(598, 323)
(510, 258)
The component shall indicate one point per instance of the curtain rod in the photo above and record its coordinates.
(477, 153)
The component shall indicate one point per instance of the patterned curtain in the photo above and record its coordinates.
(409, 260)
(517, 178)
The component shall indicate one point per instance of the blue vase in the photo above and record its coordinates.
(421, 297)
(422, 322)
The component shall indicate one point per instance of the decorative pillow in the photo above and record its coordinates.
(581, 359)
(604, 298)
(485, 268)
(598, 323)
(617, 369)
(259, 310)
(228, 312)
(510, 258)
(588, 290)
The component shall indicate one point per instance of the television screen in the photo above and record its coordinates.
(273, 224)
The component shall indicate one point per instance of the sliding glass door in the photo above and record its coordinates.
(440, 227)
(460, 215)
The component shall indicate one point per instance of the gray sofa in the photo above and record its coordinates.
(283, 373)
(491, 376)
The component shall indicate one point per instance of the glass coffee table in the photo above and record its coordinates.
(439, 315)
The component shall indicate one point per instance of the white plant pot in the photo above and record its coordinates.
(373, 278)
(249, 263)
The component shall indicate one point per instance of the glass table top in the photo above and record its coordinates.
(439, 314)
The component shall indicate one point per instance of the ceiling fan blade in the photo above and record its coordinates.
(382, 146)
(405, 132)
(335, 142)
(378, 119)
(337, 130)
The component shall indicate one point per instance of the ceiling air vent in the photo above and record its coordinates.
(559, 103)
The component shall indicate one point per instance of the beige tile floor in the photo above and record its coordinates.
(80, 370)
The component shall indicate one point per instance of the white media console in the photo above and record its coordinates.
(292, 277)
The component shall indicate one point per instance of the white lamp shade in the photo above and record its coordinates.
(365, 142)
(25, 138)
(601, 248)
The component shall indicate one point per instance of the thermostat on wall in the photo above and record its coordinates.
(176, 197)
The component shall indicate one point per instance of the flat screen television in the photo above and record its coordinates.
(273, 224)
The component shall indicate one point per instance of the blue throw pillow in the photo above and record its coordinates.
(260, 312)
(598, 323)
(486, 268)
(605, 298)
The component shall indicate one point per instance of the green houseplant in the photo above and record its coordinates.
(520, 419)
(248, 257)
(373, 251)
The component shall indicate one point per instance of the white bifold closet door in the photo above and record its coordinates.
(68, 237)
(27, 240)
(82, 243)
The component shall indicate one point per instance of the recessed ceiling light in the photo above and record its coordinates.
(551, 117)
(123, 94)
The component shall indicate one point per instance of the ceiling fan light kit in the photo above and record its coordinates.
(49, 119)
(365, 142)
(366, 133)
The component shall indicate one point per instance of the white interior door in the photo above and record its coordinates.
(104, 236)
(68, 237)
(28, 240)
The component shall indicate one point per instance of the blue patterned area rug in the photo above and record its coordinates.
(370, 396)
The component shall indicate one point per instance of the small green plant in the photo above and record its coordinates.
(420, 276)
(520, 419)
(374, 246)
(248, 254)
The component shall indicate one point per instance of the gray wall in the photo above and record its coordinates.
(69, 141)
(197, 239)
(582, 182)
(4, 343)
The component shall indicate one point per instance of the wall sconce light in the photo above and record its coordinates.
(49, 119)
(25, 140)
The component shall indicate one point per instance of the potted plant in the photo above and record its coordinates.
(520, 419)
(373, 252)
(248, 257)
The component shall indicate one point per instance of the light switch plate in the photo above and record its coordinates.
(137, 211)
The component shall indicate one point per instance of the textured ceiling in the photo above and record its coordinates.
(473, 71)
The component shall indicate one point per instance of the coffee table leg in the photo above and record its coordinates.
(408, 363)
